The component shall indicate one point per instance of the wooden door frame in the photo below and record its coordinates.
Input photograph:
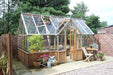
(73, 47)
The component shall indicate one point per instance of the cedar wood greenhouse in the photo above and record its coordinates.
(55, 31)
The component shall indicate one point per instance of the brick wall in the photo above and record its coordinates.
(14, 45)
(106, 43)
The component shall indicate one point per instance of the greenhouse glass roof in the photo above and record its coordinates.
(50, 25)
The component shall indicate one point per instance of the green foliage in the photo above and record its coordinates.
(93, 22)
(104, 23)
(68, 36)
(100, 54)
(10, 20)
(3, 60)
(80, 10)
(4, 64)
(36, 42)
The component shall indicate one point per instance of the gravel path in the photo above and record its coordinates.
(100, 69)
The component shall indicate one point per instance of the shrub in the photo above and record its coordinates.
(36, 42)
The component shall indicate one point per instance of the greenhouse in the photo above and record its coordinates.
(49, 26)
(61, 34)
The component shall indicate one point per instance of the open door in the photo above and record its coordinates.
(73, 53)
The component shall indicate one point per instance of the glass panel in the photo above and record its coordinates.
(85, 27)
(31, 28)
(78, 32)
(61, 26)
(53, 30)
(42, 29)
(61, 19)
(27, 20)
(22, 43)
(49, 27)
(36, 18)
(22, 28)
(48, 23)
(55, 21)
(79, 27)
(71, 26)
(40, 22)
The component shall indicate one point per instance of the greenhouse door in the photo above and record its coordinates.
(73, 44)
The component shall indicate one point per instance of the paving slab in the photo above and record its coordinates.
(59, 69)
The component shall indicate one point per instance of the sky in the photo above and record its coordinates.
(101, 8)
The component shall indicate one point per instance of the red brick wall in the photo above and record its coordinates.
(106, 43)
(109, 30)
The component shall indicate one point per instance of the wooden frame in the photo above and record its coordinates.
(76, 27)
(7, 49)
(62, 28)
(28, 58)
(45, 25)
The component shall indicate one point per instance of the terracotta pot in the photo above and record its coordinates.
(36, 64)
(1, 72)
(99, 58)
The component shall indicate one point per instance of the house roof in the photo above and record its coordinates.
(105, 27)
(50, 25)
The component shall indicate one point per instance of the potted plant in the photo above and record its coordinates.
(3, 65)
(100, 56)
(37, 63)
(36, 42)
(91, 46)
(42, 60)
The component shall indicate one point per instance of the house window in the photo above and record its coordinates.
(101, 32)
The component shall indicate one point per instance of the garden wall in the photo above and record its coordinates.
(29, 58)
(106, 43)
(14, 45)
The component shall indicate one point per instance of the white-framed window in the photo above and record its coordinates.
(101, 32)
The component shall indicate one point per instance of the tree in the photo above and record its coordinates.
(94, 23)
(104, 23)
(58, 5)
(10, 20)
(80, 10)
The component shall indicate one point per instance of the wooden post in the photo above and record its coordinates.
(75, 50)
(58, 48)
(57, 42)
(65, 43)
(70, 38)
(27, 42)
(65, 39)
(10, 54)
(54, 42)
(49, 41)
